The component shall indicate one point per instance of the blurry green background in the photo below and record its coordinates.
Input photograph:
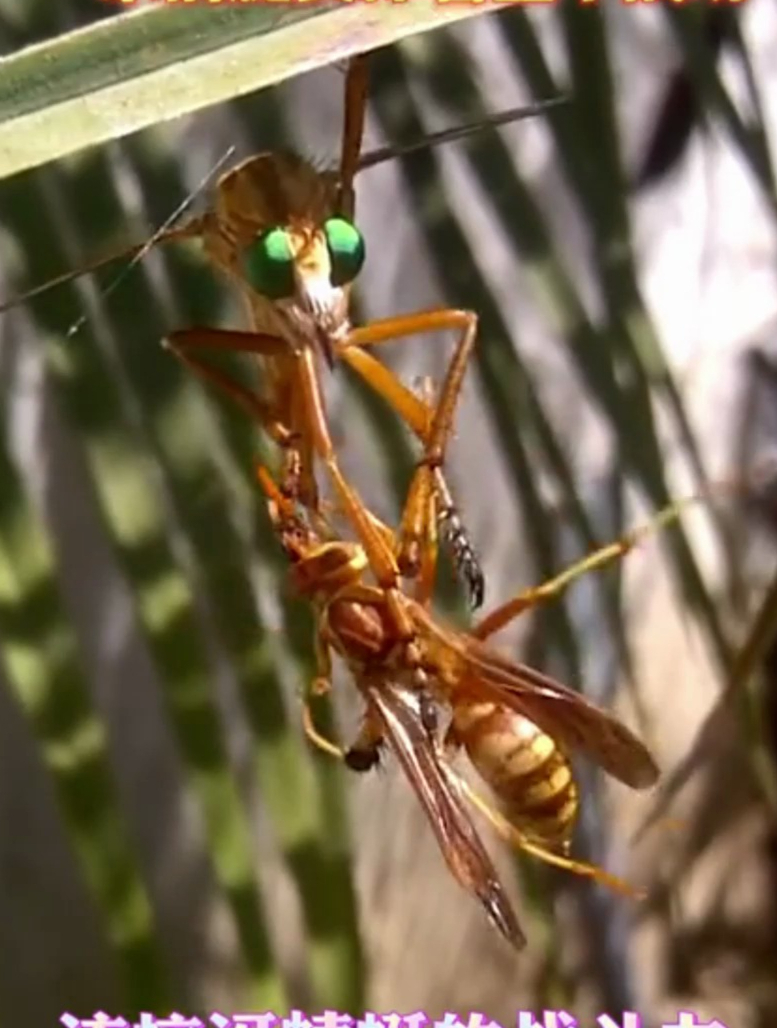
(167, 838)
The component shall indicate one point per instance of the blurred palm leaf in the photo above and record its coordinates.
(122, 74)
(237, 884)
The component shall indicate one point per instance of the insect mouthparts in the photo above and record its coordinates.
(325, 345)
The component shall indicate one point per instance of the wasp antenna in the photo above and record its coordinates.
(273, 491)
(68, 276)
(387, 153)
(267, 482)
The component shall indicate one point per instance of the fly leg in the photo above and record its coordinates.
(429, 498)
(282, 427)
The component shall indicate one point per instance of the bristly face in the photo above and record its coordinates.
(276, 228)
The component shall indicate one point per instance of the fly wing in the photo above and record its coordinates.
(436, 788)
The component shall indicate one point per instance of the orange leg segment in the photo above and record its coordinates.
(185, 344)
(595, 561)
(432, 424)
(353, 131)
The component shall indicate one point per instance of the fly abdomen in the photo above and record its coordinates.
(528, 773)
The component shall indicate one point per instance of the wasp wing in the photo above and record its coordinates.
(566, 715)
(435, 785)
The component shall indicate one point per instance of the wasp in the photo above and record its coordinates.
(519, 726)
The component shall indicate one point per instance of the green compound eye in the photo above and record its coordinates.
(346, 250)
(269, 264)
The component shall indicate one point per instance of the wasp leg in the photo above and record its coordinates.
(600, 558)
(517, 839)
(287, 432)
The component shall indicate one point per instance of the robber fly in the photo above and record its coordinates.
(283, 233)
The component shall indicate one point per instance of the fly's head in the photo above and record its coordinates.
(293, 248)
(306, 270)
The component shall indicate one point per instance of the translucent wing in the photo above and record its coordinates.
(569, 717)
(566, 715)
(436, 788)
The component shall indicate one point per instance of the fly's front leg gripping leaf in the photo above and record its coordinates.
(356, 83)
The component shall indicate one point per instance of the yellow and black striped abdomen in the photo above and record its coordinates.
(528, 773)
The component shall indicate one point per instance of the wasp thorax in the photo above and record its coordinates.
(329, 567)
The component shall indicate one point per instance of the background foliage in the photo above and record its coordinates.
(167, 839)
